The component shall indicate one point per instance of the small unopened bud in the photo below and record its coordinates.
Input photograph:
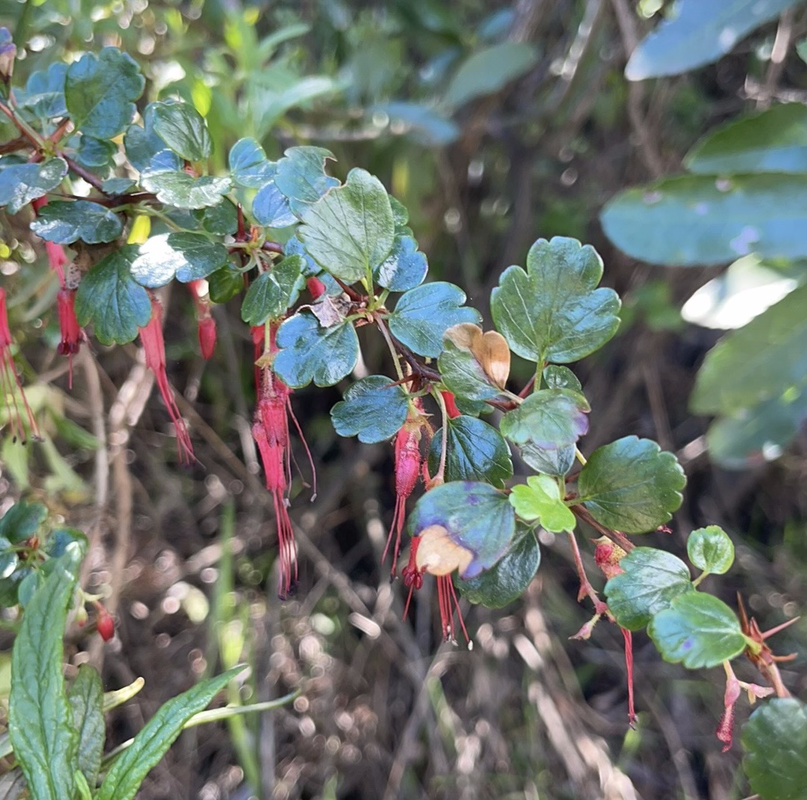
(8, 53)
(104, 623)
(316, 288)
(81, 616)
(207, 336)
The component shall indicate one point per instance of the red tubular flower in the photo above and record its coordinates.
(71, 331)
(104, 623)
(451, 405)
(204, 318)
(270, 430)
(10, 384)
(316, 288)
(151, 337)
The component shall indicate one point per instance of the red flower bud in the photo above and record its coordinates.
(451, 405)
(207, 336)
(104, 623)
(71, 332)
(204, 318)
(316, 288)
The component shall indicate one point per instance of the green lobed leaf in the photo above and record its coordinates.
(540, 500)
(44, 92)
(64, 541)
(110, 298)
(490, 69)
(224, 284)
(374, 409)
(146, 151)
(21, 183)
(475, 451)
(249, 166)
(40, 721)
(758, 362)
(183, 129)
(86, 698)
(548, 460)
(272, 292)
(548, 418)
(350, 230)
(755, 435)
(271, 207)
(698, 630)
(181, 255)
(650, 581)
(404, 268)
(697, 220)
(309, 351)
(463, 374)
(221, 219)
(66, 222)
(184, 191)
(150, 745)
(22, 521)
(630, 485)
(477, 518)
(509, 577)
(302, 179)
(423, 314)
(95, 153)
(771, 141)
(553, 311)
(710, 549)
(556, 377)
(775, 743)
(100, 91)
(700, 32)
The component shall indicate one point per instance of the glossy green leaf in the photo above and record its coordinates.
(554, 311)
(771, 141)
(100, 91)
(630, 485)
(22, 521)
(423, 314)
(310, 352)
(404, 268)
(271, 207)
(711, 550)
(477, 518)
(775, 743)
(21, 183)
(548, 418)
(302, 179)
(183, 129)
(540, 500)
(64, 541)
(475, 451)
(86, 697)
(224, 284)
(548, 460)
(374, 409)
(752, 436)
(8, 558)
(221, 219)
(150, 745)
(696, 220)
(64, 223)
(110, 298)
(650, 580)
(184, 191)
(490, 69)
(700, 32)
(184, 256)
(350, 230)
(95, 153)
(249, 166)
(272, 292)
(463, 374)
(509, 577)
(556, 377)
(44, 92)
(698, 630)
(757, 362)
(146, 151)
(40, 721)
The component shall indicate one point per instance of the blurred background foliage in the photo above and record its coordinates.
(495, 124)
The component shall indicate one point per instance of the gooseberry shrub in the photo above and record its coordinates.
(123, 204)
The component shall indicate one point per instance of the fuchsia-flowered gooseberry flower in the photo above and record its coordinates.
(408, 467)
(70, 329)
(434, 552)
(316, 288)
(10, 384)
(270, 430)
(451, 405)
(206, 325)
(151, 337)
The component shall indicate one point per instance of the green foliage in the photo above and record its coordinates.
(86, 698)
(65, 223)
(553, 311)
(184, 256)
(540, 500)
(22, 183)
(698, 630)
(775, 741)
(374, 409)
(183, 130)
(549, 418)
(699, 33)
(711, 550)
(272, 292)
(631, 485)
